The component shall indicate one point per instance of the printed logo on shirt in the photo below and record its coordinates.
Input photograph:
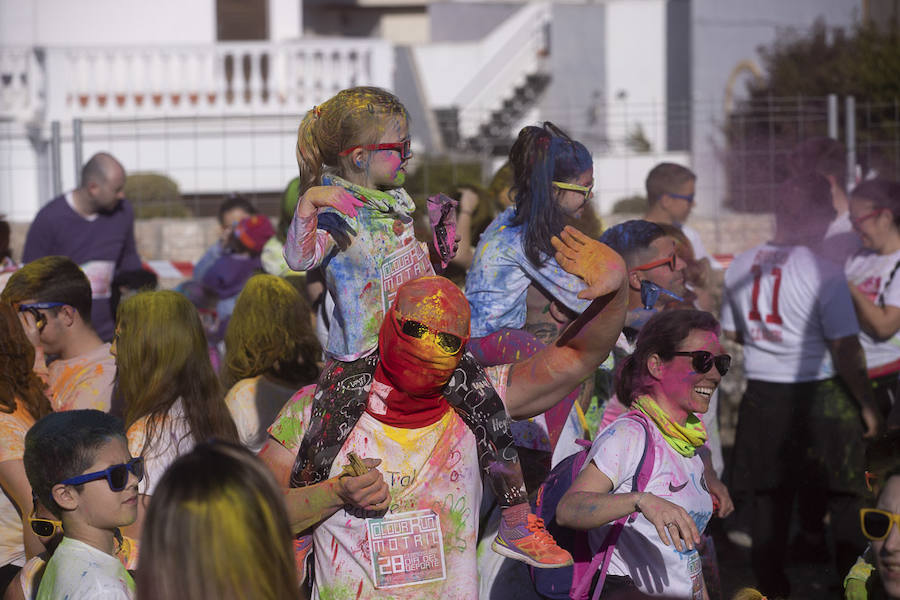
(406, 549)
(677, 488)
(408, 263)
(100, 274)
(696, 573)
(870, 287)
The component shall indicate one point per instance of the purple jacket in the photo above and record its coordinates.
(102, 247)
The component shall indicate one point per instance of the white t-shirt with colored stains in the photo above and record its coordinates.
(424, 547)
(656, 569)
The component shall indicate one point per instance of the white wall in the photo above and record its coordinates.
(106, 22)
(635, 64)
(445, 69)
(285, 20)
(618, 177)
(404, 27)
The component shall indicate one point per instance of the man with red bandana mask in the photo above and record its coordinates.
(409, 530)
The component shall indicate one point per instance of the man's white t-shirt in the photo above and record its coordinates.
(787, 302)
(871, 274)
(425, 546)
(78, 571)
(656, 569)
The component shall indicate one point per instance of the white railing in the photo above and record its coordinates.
(511, 53)
(215, 79)
(21, 79)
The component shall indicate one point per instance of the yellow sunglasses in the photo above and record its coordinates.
(574, 187)
(876, 523)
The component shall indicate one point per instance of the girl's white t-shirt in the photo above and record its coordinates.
(172, 439)
(871, 274)
(656, 569)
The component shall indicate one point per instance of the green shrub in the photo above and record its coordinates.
(630, 205)
(155, 195)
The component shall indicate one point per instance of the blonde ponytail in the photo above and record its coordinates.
(352, 117)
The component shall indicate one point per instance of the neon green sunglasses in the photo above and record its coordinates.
(574, 187)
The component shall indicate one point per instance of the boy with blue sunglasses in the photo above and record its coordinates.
(79, 468)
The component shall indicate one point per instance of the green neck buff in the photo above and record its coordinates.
(685, 439)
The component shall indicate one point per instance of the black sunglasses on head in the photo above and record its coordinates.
(702, 361)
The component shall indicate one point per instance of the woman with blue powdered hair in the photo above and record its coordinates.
(521, 297)
(553, 177)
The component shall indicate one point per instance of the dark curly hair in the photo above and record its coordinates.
(660, 335)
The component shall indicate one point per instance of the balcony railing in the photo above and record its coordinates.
(226, 78)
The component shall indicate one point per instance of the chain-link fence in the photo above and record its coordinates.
(739, 158)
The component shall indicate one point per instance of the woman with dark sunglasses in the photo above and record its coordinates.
(676, 366)
(22, 401)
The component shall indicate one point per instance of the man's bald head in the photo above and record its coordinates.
(103, 182)
(99, 169)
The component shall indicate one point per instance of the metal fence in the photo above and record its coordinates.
(739, 157)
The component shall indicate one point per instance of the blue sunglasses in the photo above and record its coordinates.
(35, 307)
(689, 198)
(116, 476)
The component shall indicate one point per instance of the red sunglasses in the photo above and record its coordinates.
(402, 147)
(669, 260)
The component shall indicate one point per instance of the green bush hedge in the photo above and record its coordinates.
(155, 195)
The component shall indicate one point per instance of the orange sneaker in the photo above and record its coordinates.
(530, 543)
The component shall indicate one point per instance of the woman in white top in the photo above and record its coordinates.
(675, 368)
(874, 277)
(271, 351)
(173, 398)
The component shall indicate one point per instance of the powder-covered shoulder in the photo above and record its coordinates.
(291, 422)
(617, 449)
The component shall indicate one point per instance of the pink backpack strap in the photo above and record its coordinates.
(581, 589)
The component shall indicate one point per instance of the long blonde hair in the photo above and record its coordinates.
(352, 117)
(217, 528)
(270, 329)
(161, 356)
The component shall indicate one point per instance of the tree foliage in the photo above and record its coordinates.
(789, 104)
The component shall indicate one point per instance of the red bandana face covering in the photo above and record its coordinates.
(413, 371)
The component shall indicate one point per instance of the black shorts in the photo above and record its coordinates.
(799, 434)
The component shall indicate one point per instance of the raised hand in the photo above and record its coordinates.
(368, 491)
(601, 268)
(32, 332)
(671, 521)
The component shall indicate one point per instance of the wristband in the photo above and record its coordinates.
(637, 502)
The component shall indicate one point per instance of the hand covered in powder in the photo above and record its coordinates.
(29, 324)
(336, 197)
(670, 520)
(601, 268)
(368, 491)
